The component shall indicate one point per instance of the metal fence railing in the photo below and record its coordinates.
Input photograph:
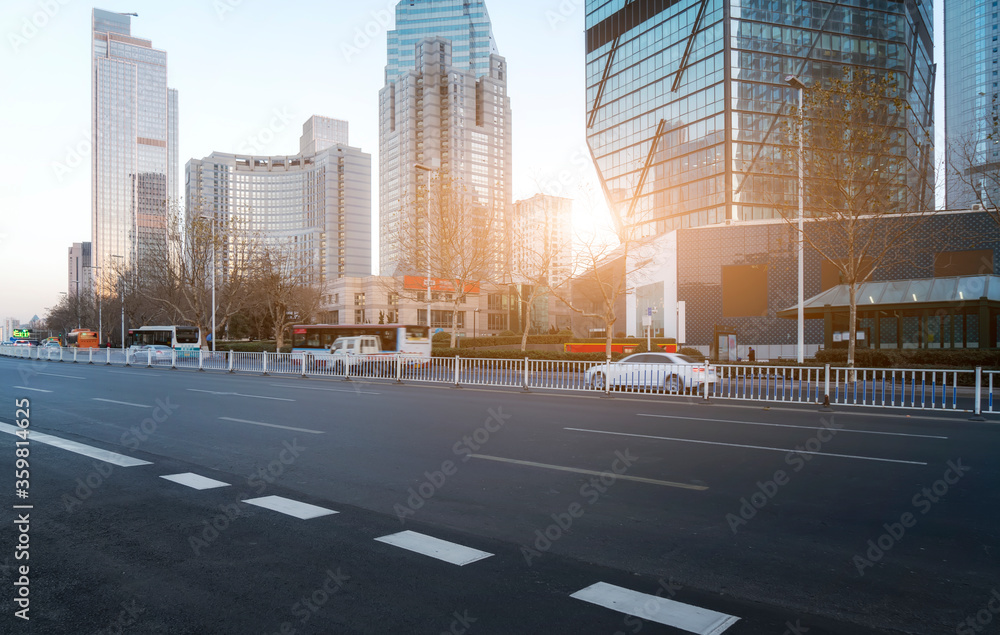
(924, 389)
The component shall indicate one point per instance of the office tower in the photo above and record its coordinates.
(79, 271)
(971, 103)
(542, 244)
(686, 100)
(319, 133)
(316, 207)
(134, 140)
(444, 106)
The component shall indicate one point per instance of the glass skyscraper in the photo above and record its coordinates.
(686, 99)
(134, 140)
(444, 105)
(971, 102)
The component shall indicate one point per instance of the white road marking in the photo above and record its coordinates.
(237, 394)
(122, 403)
(434, 547)
(195, 481)
(751, 447)
(645, 606)
(356, 392)
(787, 425)
(35, 389)
(304, 511)
(58, 375)
(95, 453)
(271, 425)
(582, 471)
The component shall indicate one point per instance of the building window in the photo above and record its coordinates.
(359, 316)
(359, 299)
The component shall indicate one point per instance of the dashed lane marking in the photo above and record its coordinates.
(434, 547)
(356, 392)
(692, 619)
(34, 389)
(58, 375)
(122, 403)
(86, 450)
(750, 447)
(271, 425)
(303, 511)
(237, 394)
(546, 466)
(788, 425)
(195, 481)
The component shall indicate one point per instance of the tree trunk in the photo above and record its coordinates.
(852, 324)
(454, 324)
(608, 333)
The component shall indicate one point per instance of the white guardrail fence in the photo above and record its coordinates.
(921, 389)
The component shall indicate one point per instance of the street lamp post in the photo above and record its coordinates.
(122, 276)
(796, 83)
(100, 318)
(427, 194)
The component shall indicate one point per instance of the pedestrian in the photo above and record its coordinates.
(752, 355)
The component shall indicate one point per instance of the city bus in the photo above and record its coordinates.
(409, 340)
(183, 339)
(82, 338)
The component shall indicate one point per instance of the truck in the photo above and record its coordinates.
(360, 354)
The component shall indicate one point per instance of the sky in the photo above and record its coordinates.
(249, 73)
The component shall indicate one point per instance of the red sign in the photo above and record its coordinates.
(417, 283)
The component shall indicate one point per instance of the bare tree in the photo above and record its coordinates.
(857, 178)
(974, 172)
(279, 292)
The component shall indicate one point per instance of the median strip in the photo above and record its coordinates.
(577, 470)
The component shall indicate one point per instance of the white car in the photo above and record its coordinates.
(666, 372)
(141, 354)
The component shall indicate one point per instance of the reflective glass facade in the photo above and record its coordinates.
(686, 99)
(135, 163)
(465, 23)
(971, 100)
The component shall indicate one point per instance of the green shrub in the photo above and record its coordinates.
(259, 346)
(691, 352)
(517, 354)
(912, 358)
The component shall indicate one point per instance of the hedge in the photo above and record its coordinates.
(259, 346)
(517, 354)
(967, 358)
(507, 340)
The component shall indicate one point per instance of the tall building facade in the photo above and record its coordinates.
(134, 140)
(542, 239)
(686, 99)
(444, 105)
(79, 270)
(317, 207)
(972, 102)
(319, 133)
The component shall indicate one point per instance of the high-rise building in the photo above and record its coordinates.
(319, 133)
(79, 270)
(542, 239)
(686, 99)
(317, 207)
(134, 140)
(972, 102)
(445, 106)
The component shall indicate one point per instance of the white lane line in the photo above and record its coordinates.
(751, 447)
(356, 392)
(122, 403)
(547, 466)
(95, 453)
(271, 425)
(35, 389)
(58, 375)
(304, 511)
(237, 394)
(434, 547)
(686, 617)
(195, 481)
(787, 425)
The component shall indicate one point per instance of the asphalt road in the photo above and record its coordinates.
(759, 514)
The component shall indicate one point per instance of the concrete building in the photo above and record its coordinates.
(686, 100)
(316, 206)
(79, 270)
(971, 103)
(542, 239)
(319, 133)
(134, 140)
(444, 105)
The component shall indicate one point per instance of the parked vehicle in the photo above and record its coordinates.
(666, 372)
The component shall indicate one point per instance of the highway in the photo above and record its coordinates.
(388, 508)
